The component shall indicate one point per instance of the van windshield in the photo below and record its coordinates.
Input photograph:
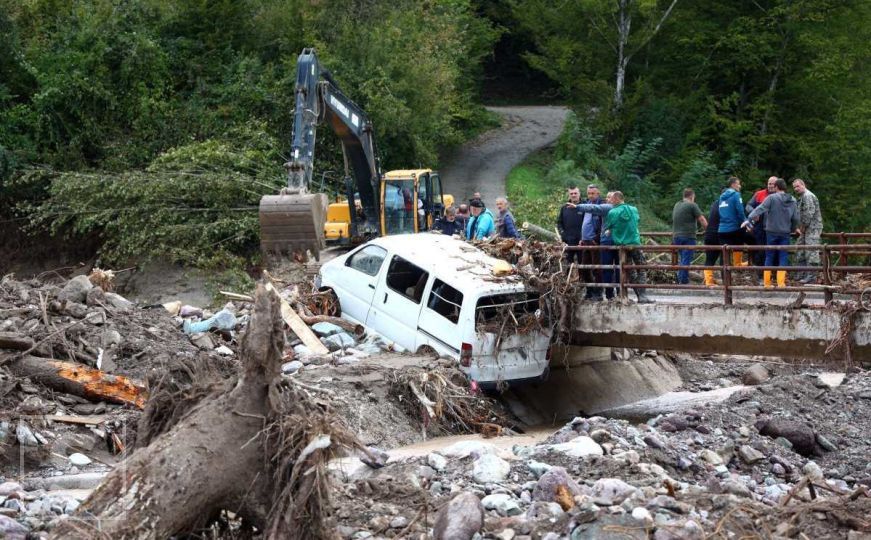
(513, 311)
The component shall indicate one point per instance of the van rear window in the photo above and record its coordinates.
(445, 300)
(512, 310)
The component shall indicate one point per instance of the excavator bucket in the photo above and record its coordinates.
(292, 223)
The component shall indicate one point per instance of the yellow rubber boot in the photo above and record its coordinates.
(709, 278)
(781, 278)
(736, 259)
(766, 278)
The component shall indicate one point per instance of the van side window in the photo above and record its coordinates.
(368, 260)
(445, 300)
(406, 279)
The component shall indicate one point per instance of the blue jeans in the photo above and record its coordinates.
(776, 257)
(609, 257)
(686, 257)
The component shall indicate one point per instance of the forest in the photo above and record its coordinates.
(153, 127)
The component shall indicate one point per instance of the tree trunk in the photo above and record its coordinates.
(624, 25)
(212, 459)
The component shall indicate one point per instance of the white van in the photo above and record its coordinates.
(433, 290)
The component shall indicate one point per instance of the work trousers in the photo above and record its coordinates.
(808, 258)
(635, 256)
(573, 256)
(776, 257)
(686, 257)
(609, 275)
(592, 276)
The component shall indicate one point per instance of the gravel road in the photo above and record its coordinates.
(483, 163)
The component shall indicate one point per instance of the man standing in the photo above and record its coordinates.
(568, 223)
(712, 239)
(463, 216)
(505, 226)
(622, 222)
(759, 229)
(591, 232)
(449, 224)
(811, 228)
(732, 215)
(684, 218)
(781, 218)
(480, 225)
(605, 257)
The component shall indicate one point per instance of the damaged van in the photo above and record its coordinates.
(431, 290)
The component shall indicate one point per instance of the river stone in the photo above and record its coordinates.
(79, 460)
(489, 468)
(11, 529)
(461, 449)
(613, 490)
(551, 483)
(799, 435)
(579, 447)
(76, 290)
(755, 374)
(437, 461)
(503, 503)
(460, 519)
(324, 329)
(750, 455)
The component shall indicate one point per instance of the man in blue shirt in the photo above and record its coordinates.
(481, 225)
(591, 235)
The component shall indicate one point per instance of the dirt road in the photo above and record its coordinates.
(483, 163)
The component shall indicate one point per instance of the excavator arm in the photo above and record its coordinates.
(294, 220)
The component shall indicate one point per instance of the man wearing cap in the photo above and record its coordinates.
(481, 225)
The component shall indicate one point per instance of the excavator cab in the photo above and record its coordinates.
(411, 201)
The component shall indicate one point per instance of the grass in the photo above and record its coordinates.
(537, 190)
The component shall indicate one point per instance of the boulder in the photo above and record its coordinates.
(460, 519)
(579, 447)
(503, 503)
(613, 489)
(755, 374)
(490, 468)
(556, 486)
(799, 435)
(76, 290)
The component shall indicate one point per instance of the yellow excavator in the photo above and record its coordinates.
(373, 204)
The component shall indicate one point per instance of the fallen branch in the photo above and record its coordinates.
(356, 329)
(80, 380)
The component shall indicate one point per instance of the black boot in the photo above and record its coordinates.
(641, 294)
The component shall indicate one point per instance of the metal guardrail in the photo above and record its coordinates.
(827, 268)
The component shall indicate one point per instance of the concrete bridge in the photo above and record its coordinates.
(788, 326)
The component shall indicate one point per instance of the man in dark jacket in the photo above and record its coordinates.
(568, 223)
(506, 227)
(732, 215)
(449, 224)
(781, 219)
(712, 239)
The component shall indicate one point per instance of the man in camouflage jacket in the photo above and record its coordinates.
(811, 225)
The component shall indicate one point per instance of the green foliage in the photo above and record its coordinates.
(154, 122)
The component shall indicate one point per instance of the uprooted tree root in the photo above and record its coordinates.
(440, 399)
(253, 446)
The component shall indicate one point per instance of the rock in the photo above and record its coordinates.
(338, 341)
(736, 488)
(376, 458)
(540, 510)
(436, 461)
(852, 535)
(826, 444)
(669, 503)
(110, 337)
(642, 514)
(813, 471)
(460, 519)
(506, 534)
(76, 310)
(223, 350)
(755, 374)
(79, 460)
(96, 317)
(490, 468)
(579, 447)
(8, 488)
(302, 350)
(711, 457)
(538, 468)
(653, 441)
(291, 367)
(613, 490)
(782, 441)
(76, 290)
(503, 503)
(800, 435)
(777, 469)
(203, 341)
(461, 449)
(750, 455)
(600, 435)
(117, 301)
(325, 329)
(399, 522)
(11, 529)
(556, 486)
(689, 531)
(25, 435)
(829, 380)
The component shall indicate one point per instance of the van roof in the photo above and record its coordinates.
(459, 263)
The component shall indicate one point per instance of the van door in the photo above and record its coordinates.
(356, 288)
(440, 319)
(397, 302)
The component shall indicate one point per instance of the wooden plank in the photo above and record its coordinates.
(299, 327)
(86, 420)
(237, 296)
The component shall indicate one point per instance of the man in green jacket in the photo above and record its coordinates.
(622, 224)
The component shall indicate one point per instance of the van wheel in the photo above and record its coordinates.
(330, 304)
(426, 350)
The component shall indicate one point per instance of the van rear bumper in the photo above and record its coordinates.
(487, 373)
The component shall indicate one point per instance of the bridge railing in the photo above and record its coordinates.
(828, 268)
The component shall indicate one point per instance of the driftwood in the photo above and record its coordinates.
(539, 232)
(79, 380)
(255, 446)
